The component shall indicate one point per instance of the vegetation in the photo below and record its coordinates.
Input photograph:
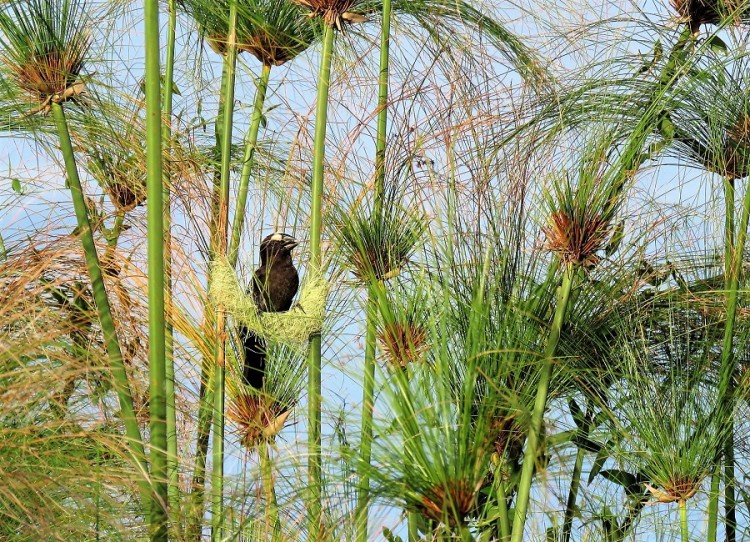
(523, 311)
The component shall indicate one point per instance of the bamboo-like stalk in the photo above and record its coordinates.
(380, 143)
(733, 267)
(532, 442)
(502, 504)
(570, 506)
(466, 535)
(370, 349)
(413, 531)
(227, 115)
(197, 492)
(314, 482)
(272, 508)
(368, 399)
(101, 300)
(368, 382)
(217, 454)
(172, 459)
(155, 216)
(247, 163)
(728, 451)
(575, 482)
(207, 385)
(730, 502)
(684, 533)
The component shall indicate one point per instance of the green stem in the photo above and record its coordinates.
(272, 507)
(380, 142)
(314, 505)
(728, 369)
(114, 354)
(205, 417)
(412, 518)
(730, 503)
(728, 449)
(683, 521)
(729, 233)
(172, 458)
(532, 443)
(502, 503)
(227, 115)
(573, 495)
(115, 232)
(113, 237)
(466, 535)
(729, 499)
(155, 246)
(247, 163)
(368, 400)
(207, 387)
(217, 472)
(713, 502)
(368, 387)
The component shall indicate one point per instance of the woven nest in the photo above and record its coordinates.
(736, 160)
(508, 437)
(126, 195)
(259, 418)
(698, 12)
(268, 50)
(451, 501)
(403, 343)
(373, 262)
(334, 12)
(576, 240)
(293, 327)
(262, 46)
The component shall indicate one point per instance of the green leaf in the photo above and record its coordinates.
(579, 417)
(15, 184)
(666, 127)
(608, 520)
(389, 536)
(599, 461)
(632, 483)
(658, 51)
(717, 45)
(587, 444)
(616, 239)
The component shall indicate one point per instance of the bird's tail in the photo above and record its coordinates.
(255, 358)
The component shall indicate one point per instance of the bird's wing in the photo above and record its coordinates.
(260, 289)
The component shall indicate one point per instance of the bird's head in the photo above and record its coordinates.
(277, 244)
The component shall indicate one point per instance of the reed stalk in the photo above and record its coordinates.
(172, 458)
(315, 481)
(101, 300)
(227, 116)
(534, 437)
(155, 246)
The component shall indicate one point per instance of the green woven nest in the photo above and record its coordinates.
(293, 327)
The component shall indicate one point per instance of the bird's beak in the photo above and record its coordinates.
(291, 243)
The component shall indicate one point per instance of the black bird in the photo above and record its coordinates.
(274, 286)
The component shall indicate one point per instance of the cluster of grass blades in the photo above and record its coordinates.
(62, 438)
(44, 45)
